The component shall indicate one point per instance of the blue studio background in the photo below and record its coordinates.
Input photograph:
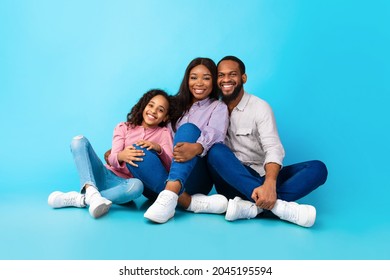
(77, 67)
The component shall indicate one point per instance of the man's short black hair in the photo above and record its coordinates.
(241, 64)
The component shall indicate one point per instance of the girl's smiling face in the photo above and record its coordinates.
(155, 112)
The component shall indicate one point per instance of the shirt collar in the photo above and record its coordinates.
(243, 102)
(202, 102)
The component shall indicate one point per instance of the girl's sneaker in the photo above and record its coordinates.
(99, 206)
(59, 199)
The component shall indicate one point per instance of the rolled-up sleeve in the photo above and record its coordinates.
(269, 137)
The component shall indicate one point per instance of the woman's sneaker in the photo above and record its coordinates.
(212, 204)
(163, 208)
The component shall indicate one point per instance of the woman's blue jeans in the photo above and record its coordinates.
(232, 178)
(192, 174)
(92, 172)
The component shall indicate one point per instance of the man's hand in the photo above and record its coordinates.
(265, 196)
(184, 151)
(130, 154)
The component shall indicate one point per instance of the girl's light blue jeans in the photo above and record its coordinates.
(192, 174)
(232, 178)
(93, 172)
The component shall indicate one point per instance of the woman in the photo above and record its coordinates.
(198, 121)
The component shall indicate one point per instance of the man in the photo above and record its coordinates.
(247, 169)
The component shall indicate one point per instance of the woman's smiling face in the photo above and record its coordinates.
(200, 83)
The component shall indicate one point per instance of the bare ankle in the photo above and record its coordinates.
(173, 186)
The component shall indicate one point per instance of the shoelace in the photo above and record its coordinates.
(164, 200)
(246, 210)
(201, 205)
(69, 201)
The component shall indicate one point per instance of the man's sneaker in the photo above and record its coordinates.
(214, 204)
(99, 206)
(300, 214)
(70, 199)
(240, 209)
(163, 208)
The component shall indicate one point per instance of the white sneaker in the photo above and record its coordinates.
(214, 204)
(163, 208)
(300, 214)
(70, 199)
(240, 209)
(99, 206)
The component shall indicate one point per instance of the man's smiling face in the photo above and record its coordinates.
(230, 80)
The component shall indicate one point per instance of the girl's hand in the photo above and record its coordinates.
(130, 155)
(149, 145)
(184, 151)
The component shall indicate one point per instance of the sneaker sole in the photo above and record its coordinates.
(312, 214)
(52, 198)
(231, 211)
(157, 219)
(100, 210)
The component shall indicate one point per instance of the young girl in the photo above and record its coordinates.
(144, 134)
(199, 120)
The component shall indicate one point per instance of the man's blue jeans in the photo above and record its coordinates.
(232, 178)
(92, 172)
(192, 174)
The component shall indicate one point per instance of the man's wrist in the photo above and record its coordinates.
(270, 183)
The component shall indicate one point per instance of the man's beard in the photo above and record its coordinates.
(229, 98)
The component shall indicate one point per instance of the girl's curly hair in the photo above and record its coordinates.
(134, 117)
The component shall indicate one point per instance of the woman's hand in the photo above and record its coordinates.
(130, 155)
(184, 151)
